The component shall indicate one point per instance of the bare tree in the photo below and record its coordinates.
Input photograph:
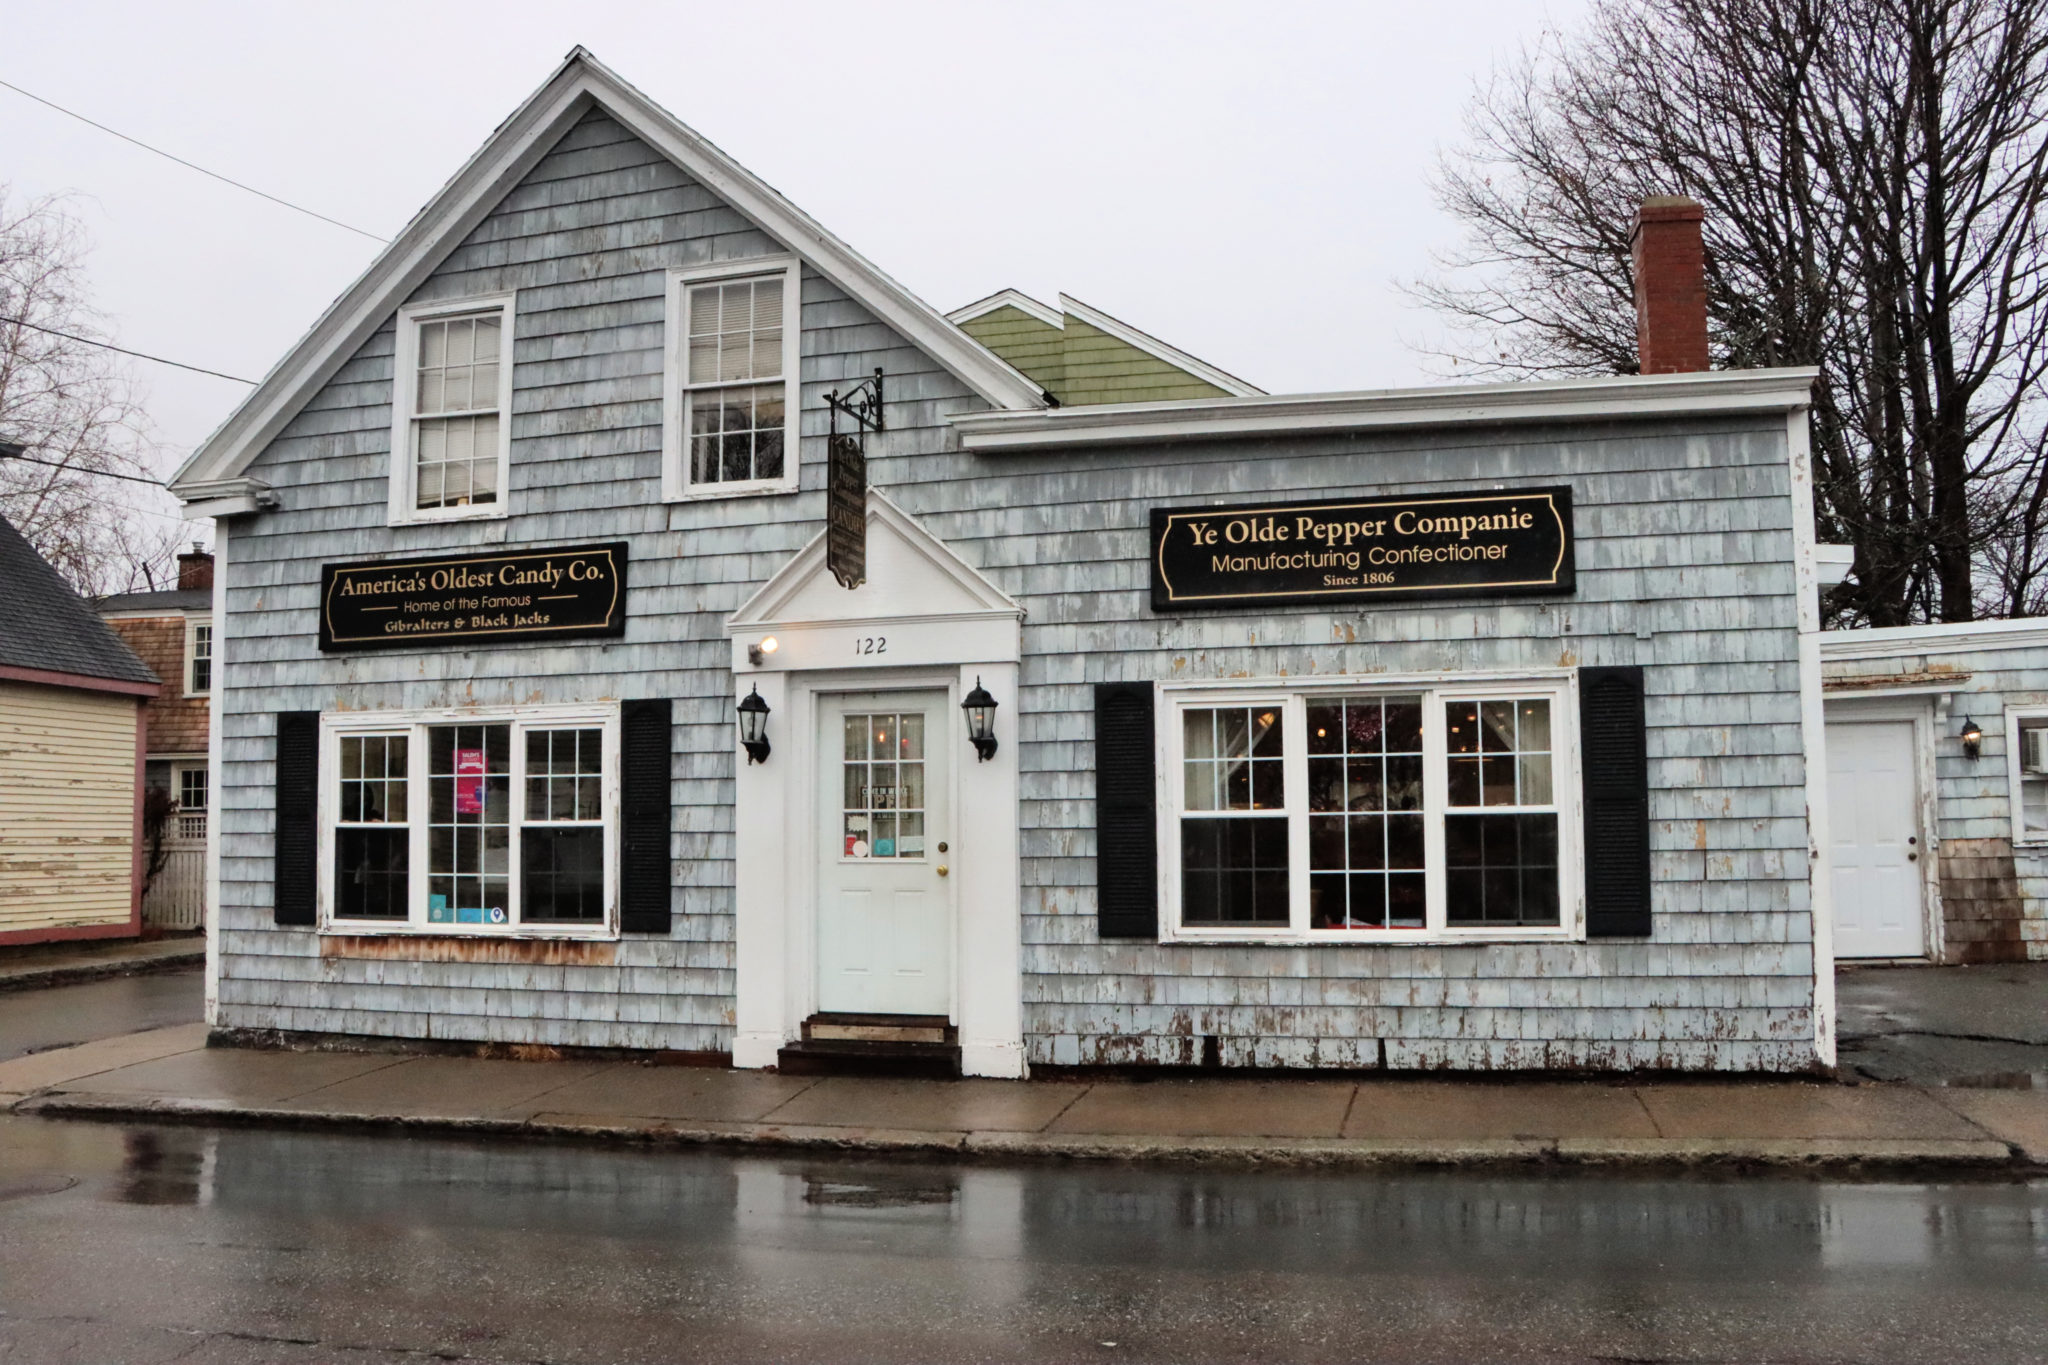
(1875, 174)
(74, 408)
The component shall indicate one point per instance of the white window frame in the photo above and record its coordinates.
(415, 724)
(193, 625)
(404, 483)
(1559, 686)
(2014, 716)
(677, 394)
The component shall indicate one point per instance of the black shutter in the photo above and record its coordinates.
(1613, 755)
(645, 747)
(295, 872)
(1126, 844)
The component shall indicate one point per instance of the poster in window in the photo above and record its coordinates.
(469, 781)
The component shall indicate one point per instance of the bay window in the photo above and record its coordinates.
(466, 823)
(1361, 813)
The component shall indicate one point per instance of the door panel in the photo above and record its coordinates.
(885, 908)
(1873, 813)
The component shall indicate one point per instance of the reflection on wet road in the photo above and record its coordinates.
(38, 1019)
(244, 1245)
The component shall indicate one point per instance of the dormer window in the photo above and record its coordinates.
(732, 367)
(451, 433)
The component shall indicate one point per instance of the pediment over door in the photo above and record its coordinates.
(921, 604)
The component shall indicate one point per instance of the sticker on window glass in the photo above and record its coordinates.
(469, 914)
(437, 909)
(469, 781)
(856, 848)
(885, 848)
(910, 845)
(497, 914)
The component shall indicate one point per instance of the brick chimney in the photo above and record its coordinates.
(1671, 285)
(195, 568)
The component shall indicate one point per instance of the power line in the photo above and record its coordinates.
(109, 346)
(250, 189)
(80, 469)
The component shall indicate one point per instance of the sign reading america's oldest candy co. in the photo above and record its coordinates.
(505, 595)
(1460, 544)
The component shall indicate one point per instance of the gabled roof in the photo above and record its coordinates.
(1074, 310)
(911, 572)
(580, 83)
(45, 627)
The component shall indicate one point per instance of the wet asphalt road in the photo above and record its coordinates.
(40, 1018)
(240, 1245)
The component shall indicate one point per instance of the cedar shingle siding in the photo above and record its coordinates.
(1685, 554)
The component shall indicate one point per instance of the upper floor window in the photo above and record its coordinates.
(198, 658)
(732, 402)
(451, 428)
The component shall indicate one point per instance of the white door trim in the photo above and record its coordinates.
(1925, 712)
(946, 627)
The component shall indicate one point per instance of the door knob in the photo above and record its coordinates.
(1912, 857)
(942, 869)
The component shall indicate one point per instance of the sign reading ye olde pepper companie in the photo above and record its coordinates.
(1466, 544)
(509, 595)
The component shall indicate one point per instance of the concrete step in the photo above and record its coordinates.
(869, 1057)
(878, 1028)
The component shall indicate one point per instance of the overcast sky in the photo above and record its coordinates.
(1247, 181)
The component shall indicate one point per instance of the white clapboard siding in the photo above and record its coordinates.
(1685, 558)
(67, 807)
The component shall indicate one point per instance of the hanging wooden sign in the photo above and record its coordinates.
(846, 511)
(458, 599)
(1509, 542)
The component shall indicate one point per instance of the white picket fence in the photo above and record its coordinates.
(177, 898)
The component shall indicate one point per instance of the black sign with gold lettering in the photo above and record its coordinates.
(1463, 544)
(458, 599)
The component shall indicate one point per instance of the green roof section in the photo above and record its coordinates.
(1081, 355)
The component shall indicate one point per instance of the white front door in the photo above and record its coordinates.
(1873, 820)
(885, 908)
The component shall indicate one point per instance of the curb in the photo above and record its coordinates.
(1977, 1154)
(99, 971)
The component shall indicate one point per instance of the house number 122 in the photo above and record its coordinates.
(871, 644)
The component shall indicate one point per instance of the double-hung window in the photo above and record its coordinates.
(198, 658)
(1370, 812)
(450, 823)
(2026, 748)
(730, 423)
(451, 423)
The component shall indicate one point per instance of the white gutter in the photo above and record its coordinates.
(1620, 398)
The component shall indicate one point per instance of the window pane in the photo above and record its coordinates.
(1501, 869)
(1234, 871)
(562, 872)
(469, 838)
(370, 873)
(1325, 727)
(1461, 727)
(1535, 725)
(1497, 727)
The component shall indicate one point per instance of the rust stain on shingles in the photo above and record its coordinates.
(529, 952)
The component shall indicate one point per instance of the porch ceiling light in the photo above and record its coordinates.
(981, 721)
(753, 716)
(1972, 737)
(757, 652)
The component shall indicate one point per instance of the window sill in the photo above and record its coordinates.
(747, 490)
(1373, 938)
(499, 513)
(522, 932)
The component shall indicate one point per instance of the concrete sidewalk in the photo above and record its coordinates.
(171, 1073)
(61, 964)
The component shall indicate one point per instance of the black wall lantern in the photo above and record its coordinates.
(754, 726)
(1972, 737)
(981, 721)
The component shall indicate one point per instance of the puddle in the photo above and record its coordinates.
(29, 1187)
(165, 1167)
(909, 1192)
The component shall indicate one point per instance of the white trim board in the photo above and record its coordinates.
(579, 84)
(1619, 398)
(1950, 637)
(1009, 298)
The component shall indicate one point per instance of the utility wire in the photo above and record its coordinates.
(80, 469)
(190, 166)
(109, 346)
